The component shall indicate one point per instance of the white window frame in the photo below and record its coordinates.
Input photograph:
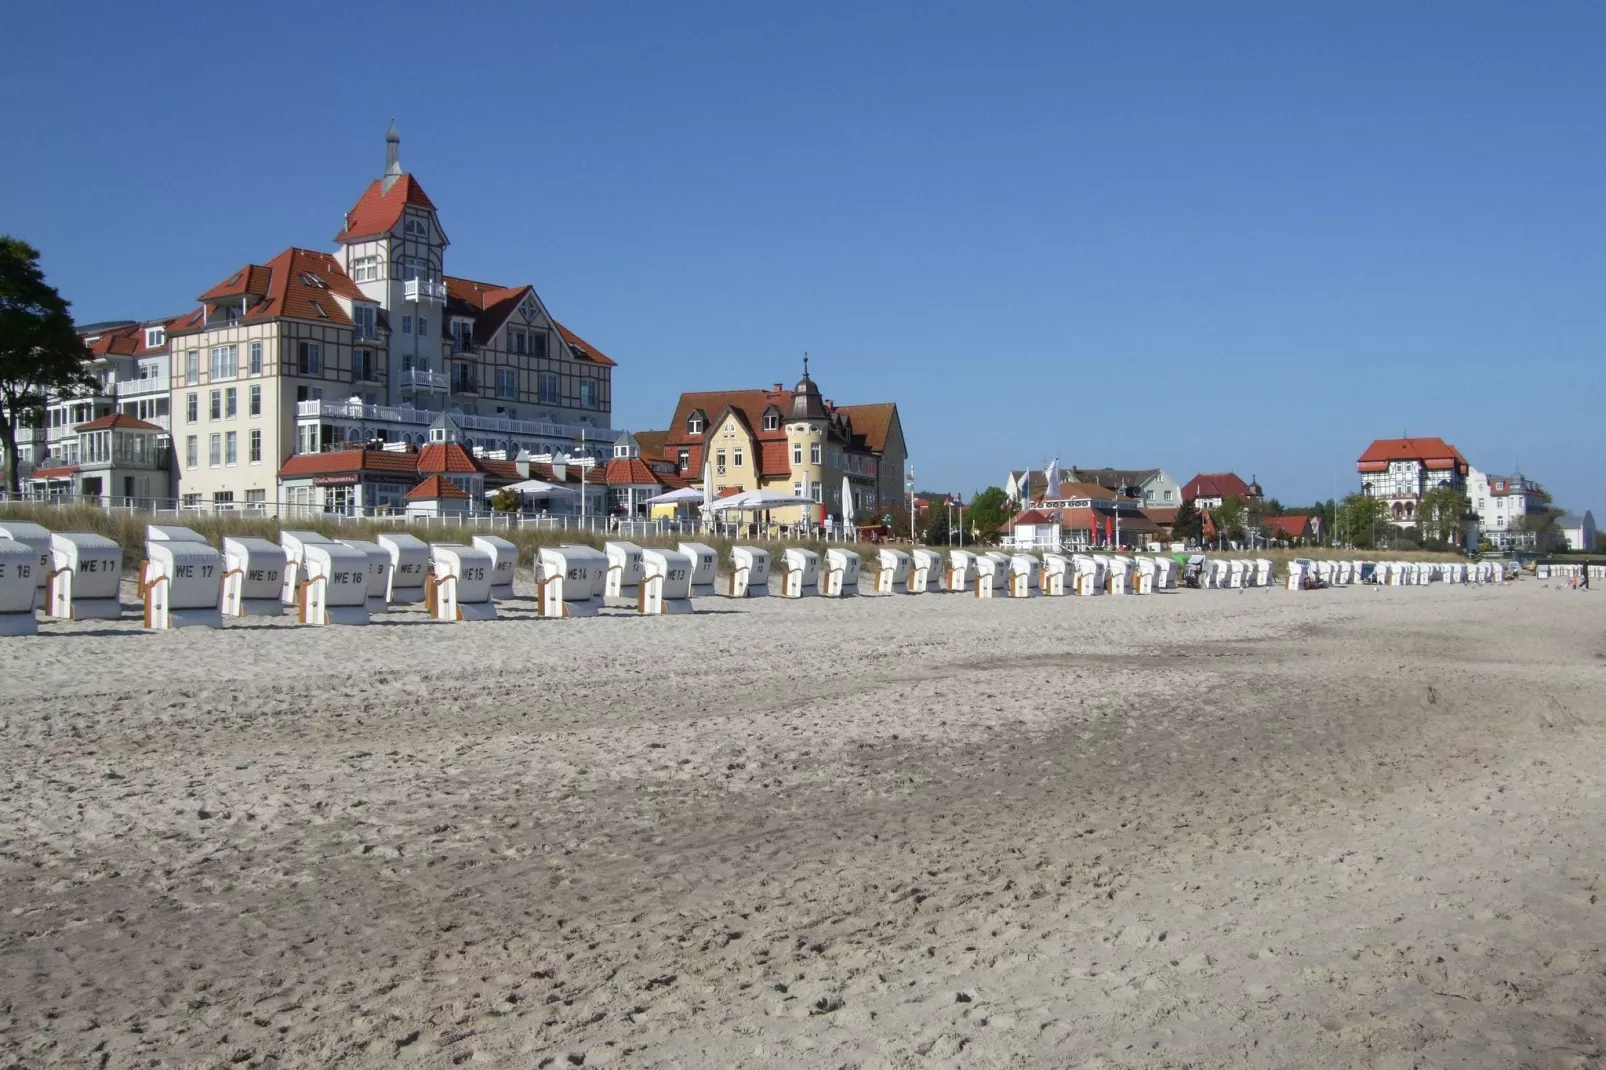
(214, 449)
(231, 403)
(254, 445)
(231, 448)
(155, 337)
(255, 365)
(254, 401)
(365, 269)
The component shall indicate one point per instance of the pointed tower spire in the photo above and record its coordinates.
(393, 169)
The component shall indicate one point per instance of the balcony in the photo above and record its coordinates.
(417, 380)
(406, 417)
(135, 388)
(465, 385)
(366, 373)
(426, 290)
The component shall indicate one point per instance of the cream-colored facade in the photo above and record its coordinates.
(792, 442)
(235, 391)
(373, 342)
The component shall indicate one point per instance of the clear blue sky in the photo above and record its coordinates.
(1248, 236)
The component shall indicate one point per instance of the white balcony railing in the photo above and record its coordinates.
(133, 388)
(424, 290)
(425, 380)
(404, 416)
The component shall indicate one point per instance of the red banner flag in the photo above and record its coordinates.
(1109, 530)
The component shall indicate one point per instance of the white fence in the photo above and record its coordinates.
(159, 509)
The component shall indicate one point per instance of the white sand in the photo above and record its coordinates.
(1346, 828)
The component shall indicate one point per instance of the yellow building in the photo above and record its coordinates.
(791, 442)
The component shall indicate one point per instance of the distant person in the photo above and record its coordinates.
(1583, 576)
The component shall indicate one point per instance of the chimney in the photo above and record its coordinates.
(778, 388)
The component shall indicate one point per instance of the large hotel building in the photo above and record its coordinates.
(312, 352)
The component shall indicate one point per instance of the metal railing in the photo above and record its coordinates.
(157, 509)
(345, 410)
(425, 380)
(132, 388)
(423, 290)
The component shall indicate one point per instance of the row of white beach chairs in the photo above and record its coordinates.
(1303, 573)
(184, 581)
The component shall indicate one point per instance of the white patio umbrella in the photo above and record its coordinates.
(758, 500)
(534, 488)
(675, 497)
(847, 503)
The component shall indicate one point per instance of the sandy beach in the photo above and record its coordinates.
(1356, 827)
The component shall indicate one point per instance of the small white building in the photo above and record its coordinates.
(1579, 531)
(437, 496)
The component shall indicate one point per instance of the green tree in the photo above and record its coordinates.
(505, 501)
(1542, 525)
(1440, 513)
(1231, 516)
(937, 525)
(1360, 520)
(40, 354)
(1188, 526)
(989, 511)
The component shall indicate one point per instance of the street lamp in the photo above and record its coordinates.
(580, 444)
(910, 479)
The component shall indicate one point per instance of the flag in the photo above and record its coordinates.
(1109, 531)
(1052, 477)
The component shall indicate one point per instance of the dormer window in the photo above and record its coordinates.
(772, 420)
(155, 337)
(694, 424)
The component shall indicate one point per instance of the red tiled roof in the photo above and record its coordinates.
(1429, 452)
(1030, 517)
(1164, 517)
(377, 212)
(628, 471)
(1215, 485)
(504, 470)
(300, 284)
(54, 473)
(446, 457)
(1288, 527)
(122, 341)
(583, 348)
(436, 487)
(361, 460)
(116, 421)
(749, 407)
(874, 422)
(251, 279)
(728, 492)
